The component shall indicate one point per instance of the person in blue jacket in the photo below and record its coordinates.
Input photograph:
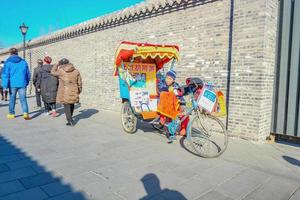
(15, 76)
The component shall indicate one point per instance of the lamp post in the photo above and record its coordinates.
(23, 29)
(30, 66)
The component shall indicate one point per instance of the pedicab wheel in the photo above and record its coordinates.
(128, 119)
(207, 135)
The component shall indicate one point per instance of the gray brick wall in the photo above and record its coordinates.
(202, 33)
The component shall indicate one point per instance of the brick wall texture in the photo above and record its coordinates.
(202, 32)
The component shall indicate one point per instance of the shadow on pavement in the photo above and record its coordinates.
(60, 108)
(291, 160)
(85, 114)
(21, 177)
(152, 187)
(3, 105)
(288, 143)
(33, 114)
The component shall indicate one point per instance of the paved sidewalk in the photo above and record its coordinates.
(44, 159)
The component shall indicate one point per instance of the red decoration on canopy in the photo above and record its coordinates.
(145, 53)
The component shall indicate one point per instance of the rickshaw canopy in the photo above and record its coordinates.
(145, 53)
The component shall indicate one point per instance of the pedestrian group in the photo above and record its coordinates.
(54, 84)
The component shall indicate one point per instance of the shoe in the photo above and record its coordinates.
(171, 139)
(70, 123)
(10, 116)
(6, 99)
(54, 114)
(26, 116)
(47, 113)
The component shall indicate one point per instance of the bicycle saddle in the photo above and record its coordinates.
(194, 81)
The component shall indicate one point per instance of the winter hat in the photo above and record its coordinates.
(64, 61)
(172, 74)
(40, 62)
(48, 60)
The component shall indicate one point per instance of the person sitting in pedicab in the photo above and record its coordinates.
(171, 96)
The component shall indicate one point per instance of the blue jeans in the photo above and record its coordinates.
(12, 99)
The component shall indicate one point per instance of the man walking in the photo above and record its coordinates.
(16, 76)
(36, 72)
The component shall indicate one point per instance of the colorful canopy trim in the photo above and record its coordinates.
(144, 52)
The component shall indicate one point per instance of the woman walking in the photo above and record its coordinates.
(69, 87)
(47, 85)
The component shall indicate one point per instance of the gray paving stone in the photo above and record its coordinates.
(56, 188)
(126, 189)
(6, 150)
(99, 190)
(16, 174)
(32, 194)
(214, 195)
(10, 187)
(3, 168)
(193, 188)
(38, 180)
(70, 196)
(78, 166)
(21, 163)
(102, 163)
(243, 184)
(83, 180)
(38, 169)
(10, 158)
(296, 195)
(219, 173)
(285, 188)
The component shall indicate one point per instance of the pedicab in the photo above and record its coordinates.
(140, 71)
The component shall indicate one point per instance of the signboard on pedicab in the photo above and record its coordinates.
(207, 100)
(142, 86)
(143, 76)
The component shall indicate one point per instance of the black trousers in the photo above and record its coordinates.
(3, 94)
(50, 106)
(69, 110)
(38, 98)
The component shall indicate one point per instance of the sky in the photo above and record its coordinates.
(46, 16)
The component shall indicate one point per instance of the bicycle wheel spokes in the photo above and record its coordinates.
(208, 136)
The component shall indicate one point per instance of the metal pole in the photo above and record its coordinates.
(30, 64)
(229, 60)
(24, 46)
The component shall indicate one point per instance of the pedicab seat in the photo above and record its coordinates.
(149, 115)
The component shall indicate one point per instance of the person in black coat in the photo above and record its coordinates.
(48, 85)
(34, 80)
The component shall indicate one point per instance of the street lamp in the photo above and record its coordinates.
(30, 65)
(23, 29)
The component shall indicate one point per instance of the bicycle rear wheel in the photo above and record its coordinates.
(207, 135)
